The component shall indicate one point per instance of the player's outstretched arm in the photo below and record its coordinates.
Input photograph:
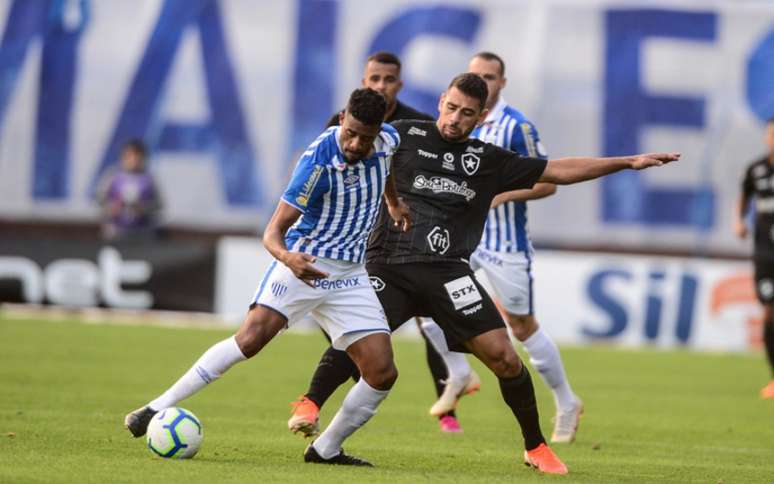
(398, 209)
(540, 190)
(565, 171)
(274, 240)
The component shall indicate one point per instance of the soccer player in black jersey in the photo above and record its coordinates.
(758, 183)
(449, 182)
(382, 74)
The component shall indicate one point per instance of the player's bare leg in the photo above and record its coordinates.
(258, 328)
(545, 358)
(495, 350)
(373, 356)
(767, 392)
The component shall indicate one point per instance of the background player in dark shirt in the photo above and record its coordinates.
(382, 74)
(758, 183)
(449, 182)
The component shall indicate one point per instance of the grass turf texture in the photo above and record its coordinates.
(650, 416)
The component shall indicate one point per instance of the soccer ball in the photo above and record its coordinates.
(175, 433)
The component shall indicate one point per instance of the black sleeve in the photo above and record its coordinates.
(333, 120)
(400, 125)
(748, 184)
(518, 172)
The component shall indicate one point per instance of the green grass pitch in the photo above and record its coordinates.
(650, 416)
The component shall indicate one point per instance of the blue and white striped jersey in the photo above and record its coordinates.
(506, 224)
(339, 201)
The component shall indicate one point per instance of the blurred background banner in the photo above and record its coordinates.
(177, 276)
(226, 93)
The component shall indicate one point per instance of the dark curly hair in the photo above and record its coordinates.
(367, 106)
(471, 85)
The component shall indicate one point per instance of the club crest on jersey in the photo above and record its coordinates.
(377, 283)
(439, 240)
(414, 131)
(448, 161)
(470, 163)
(443, 185)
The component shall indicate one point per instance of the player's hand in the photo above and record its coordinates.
(640, 162)
(740, 229)
(301, 266)
(401, 214)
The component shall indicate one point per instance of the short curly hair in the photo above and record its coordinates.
(367, 106)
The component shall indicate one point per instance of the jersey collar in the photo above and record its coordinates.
(497, 111)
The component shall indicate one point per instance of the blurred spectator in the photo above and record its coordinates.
(129, 198)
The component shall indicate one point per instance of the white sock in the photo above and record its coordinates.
(357, 408)
(544, 356)
(456, 363)
(208, 368)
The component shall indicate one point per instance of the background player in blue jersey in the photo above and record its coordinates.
(317, 236)
(505, 256)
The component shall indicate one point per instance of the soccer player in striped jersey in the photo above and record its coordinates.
(505, 255)
(383, 74)
(317, 236)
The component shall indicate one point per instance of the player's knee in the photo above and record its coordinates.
(505, 363)
(254, 333)
(522, 326)
(381, 375)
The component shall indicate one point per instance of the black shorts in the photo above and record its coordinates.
(448, 292)
(764, 279)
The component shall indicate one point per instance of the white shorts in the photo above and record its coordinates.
(510, 277)
(344, 305)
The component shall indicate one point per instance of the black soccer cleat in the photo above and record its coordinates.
(138, 420)
(311, 455)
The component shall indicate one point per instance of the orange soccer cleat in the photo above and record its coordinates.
(305, 417)
(544, 460)
(767, 392)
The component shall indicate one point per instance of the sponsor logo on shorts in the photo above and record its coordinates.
(473, 310)
(470, 163)
(438, 184)
(377, 283)
(463, 292)
(414, 131)
(439, 240)
(448, 161)
(427, 154)
(332, 285)
(278, 288)
(489, 258)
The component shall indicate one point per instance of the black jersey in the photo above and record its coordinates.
(402, 111)
(758, 183)
(449, 187)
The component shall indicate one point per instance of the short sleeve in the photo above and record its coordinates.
(519, 172)
(526, 141)
(306, 177)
